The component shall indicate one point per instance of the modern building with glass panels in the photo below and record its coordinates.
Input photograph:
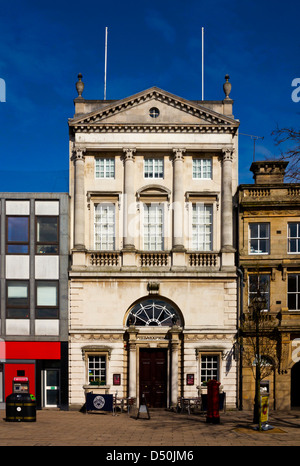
(153, 282)
(34, 295)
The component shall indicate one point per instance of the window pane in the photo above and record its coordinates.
(17, 249)
(253, 230)
(153, 227)
(17, 229)
(202, 168)
(17, 299)
(97, 370)
(202, 227)
(47, 229)
(17, 290)
(17, 313)
(47, 294)
(264, 230)
(292, 283)
(105, 167)
(153, 168)
(292, 301)
(46, 313)
(105, 227)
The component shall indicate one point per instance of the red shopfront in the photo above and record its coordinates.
(36, 360)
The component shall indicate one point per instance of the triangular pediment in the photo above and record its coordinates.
(135, 111)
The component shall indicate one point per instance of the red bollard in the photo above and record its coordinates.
(213, 402)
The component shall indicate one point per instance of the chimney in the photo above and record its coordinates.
(269, 171)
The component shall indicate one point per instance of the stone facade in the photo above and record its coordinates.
(153, 283)
(269, 213)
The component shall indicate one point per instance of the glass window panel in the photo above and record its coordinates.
(47, 229)
(153, 227)
(17, 290)
(47, 295)
(202, 168)
(259, 238)
(46, 313)
(105, 167)
(292, 283)
(17, 229)
(292, 301)
(17, 313)
(104, 227)
(253, 230)
(293, 230)
(153, 168)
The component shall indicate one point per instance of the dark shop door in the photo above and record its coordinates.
(295, 385)
(153, 377)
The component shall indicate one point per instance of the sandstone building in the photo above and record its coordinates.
(153, 282)
(269, 248)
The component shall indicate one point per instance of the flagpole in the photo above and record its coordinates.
(202, 63)
(105, 66)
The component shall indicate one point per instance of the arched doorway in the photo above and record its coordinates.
(295, 385)
(154, 325)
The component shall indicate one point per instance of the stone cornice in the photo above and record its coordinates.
(144, 128)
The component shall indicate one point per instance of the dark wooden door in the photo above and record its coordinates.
(295, 385)
(153, 377)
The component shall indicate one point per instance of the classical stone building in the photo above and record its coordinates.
(269, 256)
(152, 278)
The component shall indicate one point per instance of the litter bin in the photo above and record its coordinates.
(20, 407)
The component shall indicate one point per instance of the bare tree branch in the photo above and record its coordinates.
(283, 136)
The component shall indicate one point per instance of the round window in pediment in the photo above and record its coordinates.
(154, 112)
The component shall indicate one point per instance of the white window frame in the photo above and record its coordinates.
(267, 292)
(201, 230)
(296, 238)
(157, 226)
(209, 371)
(259, 238)
(102, 368)
(154, 168)
(297, 292)
(202, 168)
(105, 228)
(104, 167)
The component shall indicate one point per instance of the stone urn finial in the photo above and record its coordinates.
(79, 85)
(227, 87)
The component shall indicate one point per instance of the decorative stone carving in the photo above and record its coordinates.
(79, 85)
(227, 87)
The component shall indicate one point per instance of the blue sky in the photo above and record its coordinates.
(44, 45)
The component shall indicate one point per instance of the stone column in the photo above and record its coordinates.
(129, 200)
(227, 204)
(79, 198)
(174, 331)
(178, 200)
(132, 362)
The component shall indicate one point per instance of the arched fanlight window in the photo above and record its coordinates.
(153, 312)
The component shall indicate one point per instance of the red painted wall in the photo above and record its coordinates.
(11, 372)
(22, 350)
(32, 350)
